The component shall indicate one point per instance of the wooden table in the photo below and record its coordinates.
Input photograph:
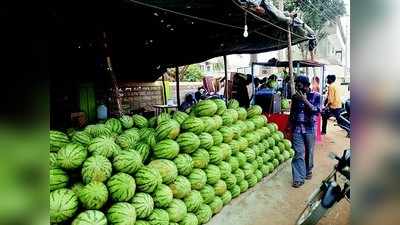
(161, 108)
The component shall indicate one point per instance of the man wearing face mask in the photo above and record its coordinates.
(305, 106)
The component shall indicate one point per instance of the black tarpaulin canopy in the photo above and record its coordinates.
(296, 63)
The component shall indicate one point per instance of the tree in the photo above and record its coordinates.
(193, 73)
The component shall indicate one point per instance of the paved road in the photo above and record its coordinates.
(274, 202)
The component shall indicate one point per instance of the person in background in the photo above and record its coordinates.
(316, 88)
(305, 105)
(333, 103)
(315, 84)
(239, 89)
(189, 101)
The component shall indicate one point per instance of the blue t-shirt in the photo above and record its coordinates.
(302, 117)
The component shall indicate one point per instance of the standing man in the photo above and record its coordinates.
(305, 106)
(333, 103)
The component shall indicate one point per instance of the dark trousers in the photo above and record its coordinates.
(328, 114)
(303, 160)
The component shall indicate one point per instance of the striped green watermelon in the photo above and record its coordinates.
(143, 204)
(204, 214)
(90, 217)
(98, 130)
(287, 143)
(258, 149)
(197, 179)
(94, 195)
(228, 118)
(250, 126)
(181, 187)
(276, 150)
(250, 154)
(122, 187)
(233, 113)
(96, 168)
(234, 163)
(188, 142)
(177, 210)
(233, 104)
(121, 213)
(255, 165)
(254, 110)
(226, 151)
(167, 129)
(225, 169)
(264, 170)
(71, 156)
(213, 174)
(180, 116)
(248, 170)
(70, 132)
(63, 205)
(126, 140)
(114, 125)
(143, 149)
(226, 197)
(209, 124)
(236, 131)
(266, 132)
(216, 154)
(251, 138)
(221, 106)
(243, 143)
(243, 186)
(140, 121)
(217, 121)
(206, 108)
(227, 134)
(153, 122)
(208, 194)
(216, 205)
(142, 222)
(104, 146)
(167, 149)
(77, 188)
(220, 187)
(258, 120)
(184, 164)
(273, 127)
(193, 201)
(190, 219)
(162, 196)
(260, 161)
(57, 140)
(127, 162)
(242, 113)
(230, 181)
(266, 158)
(241, 158)
(148, 136)
(134, 132)
(58, 179)
(193, 124)
(53, 160)
(217, 137)
(166, 168)
(164, 116)
(271, 154)
(200, 158)
(259, 175)
(82, 137)
(235, 146)
(206, 140)
(252, 180)
(126, 121)
(147, 179)
(235, 191)
(239, 174)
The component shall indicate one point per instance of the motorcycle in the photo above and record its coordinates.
(330, 192)
(344, 118)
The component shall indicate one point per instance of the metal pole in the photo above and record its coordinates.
(178, 97)
(226, 80)
(322, 84)
(290, 60)
(253, 85)
(164, 92)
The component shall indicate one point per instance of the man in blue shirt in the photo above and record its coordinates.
(304, 108)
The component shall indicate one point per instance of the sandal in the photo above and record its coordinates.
(297, 184)
(309, 176)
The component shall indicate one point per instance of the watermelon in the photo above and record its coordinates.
(162, 196)
(239, 174)
(250, 126)
(221, 106)
(127, 162)
(259, 175)
(243, 143)
(243, 186)
(216, 205)
(188, 142)
(140, 121)
(275, 162)
(226, 197)
(258, 150)
(93, 195)
(266, 131)
(216, 154)
(287, 143)
(181, 187)
(217, 121)
(271, 154)
(104, 146)
(57, 140)
(272, 127)
(167, 129)
(233, 104)
(264, 170)
(177, 210)
(251, 138)
(291, 152)
(230, 181)
(225, 169)
(126, 140)
(164, 116)
(180, 116)
(153, 122)
(96, 168)
(233, 113)
(193, 124)
(203, 214)
(252, 180)
(259, 121)
(281, 159)
(121, 213)
(193, 201)
(134, 132)
(98, 130)
(70, 132)
(228, 118)
(82, 137)
(143, 149)
(63, 205)
(220, 187)
(114, 125)
(147, 179)
(53, 160)
(236, 131)
(197, 179)
(190, 219)
(254, 110)
(265, 157)
(213, 174)
(271, 167)
(227, 134)
(58, 179)
(77, 188)
(235, 146)
(167, 149)
(207, 193)
(276, 150)
(260, 161)
(217, 137)
(248, 170)
(200, 158)
(122, 187)
(143, 204)
(126, 121)
(241, 158)
(90, 217)
(205, 108)
(166, 168)
(226, 151)
(143, 222)
(234, 163)
(159, 217)
(255, 165)
(235, 191)
(250, 154)
(184, 164)
(242, 113)
(206, 140)
(148, 136)
(209, 124)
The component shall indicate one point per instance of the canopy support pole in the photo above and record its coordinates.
(178, 96)
(226, 80)
(164, 91)
(253, 96)
(290, 59)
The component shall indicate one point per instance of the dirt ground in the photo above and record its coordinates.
(274, 202)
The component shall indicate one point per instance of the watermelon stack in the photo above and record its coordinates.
(179, 168)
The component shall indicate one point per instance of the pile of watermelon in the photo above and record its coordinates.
(178, 168)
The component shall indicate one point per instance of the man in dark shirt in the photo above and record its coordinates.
(305, 106)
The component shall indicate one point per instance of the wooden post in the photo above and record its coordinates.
(164, 92)
(178, 97)
(290, 60)
(253, 85)
(226, 79)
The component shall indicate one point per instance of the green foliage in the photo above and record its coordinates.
(192, 73)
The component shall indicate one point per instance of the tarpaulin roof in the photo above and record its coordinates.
(296, 63)
(148, 36)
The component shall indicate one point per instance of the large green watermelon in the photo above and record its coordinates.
(226, 151)
(143, 204)
(77, 187)
(143, 149)
(57, 140)
(190, 219)
(90, 217)
(250, 126)
(209, 124)
(200, 158)
(217, 137)
(213, 174)
(216, 205)
(114, 125)
(167, 129)
(184, 164)
(230, 181)
(235, 146)
(264, 170)
(126, 140)
(121, 213)
(242, 113)
(260, 161)
(143, 222)
(126, 121)
(220, 187)
(226, 197)
(228, 118)
(193, 124)
(251, 180)
(58, 179)
(204, 214)
(166, 149)
(239, 174)
(233, 104)
(243, 143)
(167, 169)
(235, 191)
(251, 138)
(250, 154)
(244, 185)
(197, 179)
(104, 146)
(207, 193)
(216, 154)
(241, 158)
(180, 116)
(193, 201)
(234, 163)
(254, 110)
(164, 116)
(205, 108)
(225, 169)
(93, 195)
(63, 205)
(221, 106)
(259, 175)
(217, 121)
(227, 134)
(159, 217)
(162, 196)
(134, 132)
(248, 170)
(188, 142)
(181, 187)
(122, 187)
(140, 121)
(206, 140)
(82, 137)
(127, 162)
(147, 179)
(98, 130)
(177, 210)
(96, 168)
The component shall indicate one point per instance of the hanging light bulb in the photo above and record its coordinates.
(245, 33)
